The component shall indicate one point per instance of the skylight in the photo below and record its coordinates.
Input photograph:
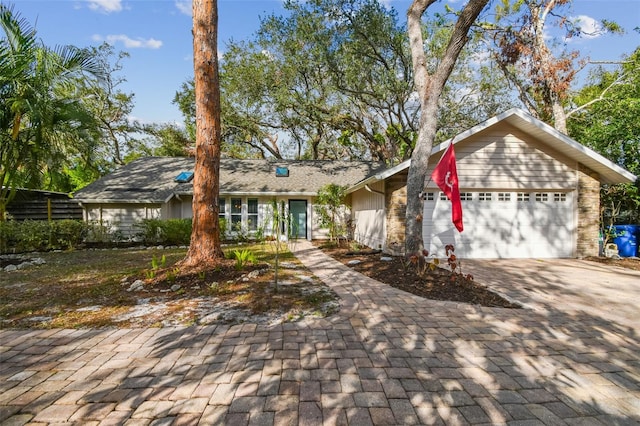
(282, 172)
(184, 177)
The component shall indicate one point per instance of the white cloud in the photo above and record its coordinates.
(106, 6)
(184, 6)
(589, 27)
(128, 42)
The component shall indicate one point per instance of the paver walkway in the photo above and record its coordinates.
(387, 358)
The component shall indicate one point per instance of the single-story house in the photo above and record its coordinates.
(161, 188)
(527, 190)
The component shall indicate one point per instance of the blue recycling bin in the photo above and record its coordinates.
(627, 239)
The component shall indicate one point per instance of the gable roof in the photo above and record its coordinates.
(608, 171)
(152, 179)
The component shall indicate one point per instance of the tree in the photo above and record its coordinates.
(607, 122)
(111, 107)
(429, 84)
(333, 80)
(112, 141)
(330, 205)
(168, 140)
(542, 74)
(205, 248)
(40, 115)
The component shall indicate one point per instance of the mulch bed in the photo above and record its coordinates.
(439, 284)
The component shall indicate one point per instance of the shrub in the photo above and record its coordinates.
(170, 232)
(102, 233)
(150, 231)
(176, 231)
(41, 235)
(67, 234)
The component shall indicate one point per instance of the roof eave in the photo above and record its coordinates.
(259, 193)
(116, 201)
(380, 176)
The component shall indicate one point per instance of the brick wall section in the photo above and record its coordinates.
(396, 208)
(588, 212)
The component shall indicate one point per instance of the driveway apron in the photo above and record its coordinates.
(388, 357)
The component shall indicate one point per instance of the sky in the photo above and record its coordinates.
(157, 36)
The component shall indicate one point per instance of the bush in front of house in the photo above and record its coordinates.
(167, 232)
(41, 235)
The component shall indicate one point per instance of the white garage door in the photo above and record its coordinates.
(502, 225)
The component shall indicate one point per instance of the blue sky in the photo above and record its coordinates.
(157, 35)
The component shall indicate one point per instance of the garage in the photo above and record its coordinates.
(503, 224)
(527, 191)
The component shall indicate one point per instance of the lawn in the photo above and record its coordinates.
(140, 287)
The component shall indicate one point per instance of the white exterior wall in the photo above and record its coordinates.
(368, 214)
(499, 162)
(122, 217)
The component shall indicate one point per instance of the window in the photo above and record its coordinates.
(559, 197)
(443, 196)
(484, 196)
(466, 196)
(430, 196)
(252, 214)
(236, 212)
(523, 196)
(542, 197)
(222, 205)
(504, 196)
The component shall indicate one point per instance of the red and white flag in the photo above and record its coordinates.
(445, 175)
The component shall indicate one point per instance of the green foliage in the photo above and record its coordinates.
(224, 228)
(167, 232)
(102, 233)
(158, 262)
(239, 233)
(243, 258)
(42, 121)
(608, 123)
(168, 140)
(41, 235)
(67, 234)
(329, 205)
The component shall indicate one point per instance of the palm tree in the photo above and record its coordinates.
(38, 109)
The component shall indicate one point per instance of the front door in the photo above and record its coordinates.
(298, 218)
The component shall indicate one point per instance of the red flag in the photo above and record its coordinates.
(445, 175)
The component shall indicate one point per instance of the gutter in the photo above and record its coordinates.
(368, 188)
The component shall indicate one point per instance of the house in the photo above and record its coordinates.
(527, 190)
(161, 188)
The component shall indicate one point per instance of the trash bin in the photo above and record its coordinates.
(627, 239)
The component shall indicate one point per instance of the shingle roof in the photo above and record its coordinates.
(151, 179)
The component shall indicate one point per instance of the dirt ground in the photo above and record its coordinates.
(121, 288)
(625, 262)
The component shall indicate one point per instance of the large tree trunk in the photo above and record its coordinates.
(429, 88)
(205, 246)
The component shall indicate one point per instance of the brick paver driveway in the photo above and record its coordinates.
(387, 358)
